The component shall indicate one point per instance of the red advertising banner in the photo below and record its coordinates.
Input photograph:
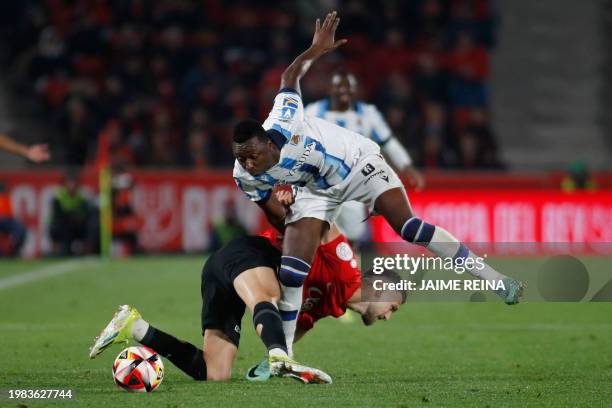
(582, 219)
(178, 207)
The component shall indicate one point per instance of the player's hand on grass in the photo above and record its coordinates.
(323, 40)
(38, 153)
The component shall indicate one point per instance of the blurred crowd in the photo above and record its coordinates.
(170, 77)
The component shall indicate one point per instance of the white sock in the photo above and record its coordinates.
(445, 245)
(291, 301)
(139, 329)
(277, 352)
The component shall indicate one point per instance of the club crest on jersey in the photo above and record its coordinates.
(289, 107)
(295, 140)
(344, 251)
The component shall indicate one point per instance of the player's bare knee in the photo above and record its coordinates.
(217, 368)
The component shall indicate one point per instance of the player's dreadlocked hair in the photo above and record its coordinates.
(247, 129)
(387, 275)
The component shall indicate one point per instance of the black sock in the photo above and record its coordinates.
(185, 356)
(272, 335)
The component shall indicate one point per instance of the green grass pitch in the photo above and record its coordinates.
(429, 354)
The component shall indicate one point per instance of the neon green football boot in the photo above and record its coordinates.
(118, 330)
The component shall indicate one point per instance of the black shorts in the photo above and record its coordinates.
(222, 308)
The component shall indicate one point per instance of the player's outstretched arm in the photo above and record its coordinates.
(323, 42)
(37, 153)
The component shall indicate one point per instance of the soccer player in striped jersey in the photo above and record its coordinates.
(345, 111)
(334, 165)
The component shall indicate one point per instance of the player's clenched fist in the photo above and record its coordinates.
(285, 197)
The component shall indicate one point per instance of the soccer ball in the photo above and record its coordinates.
(138, 369)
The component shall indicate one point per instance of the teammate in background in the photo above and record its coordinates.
(334, 165)
(37, 153)
(344, 110)
(242, 273)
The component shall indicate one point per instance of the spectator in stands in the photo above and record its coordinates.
(93, 62)
(468, 65)
(71, 219)
(198, 150)
(12, 232)
(125, 221)
(434, 137)
(480, 126)
(578, 178)
(79, 130)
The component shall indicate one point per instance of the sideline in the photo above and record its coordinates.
(45, 272)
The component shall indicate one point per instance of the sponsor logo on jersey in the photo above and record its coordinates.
(367, 169)
(299, 162)
(380, 173)
(314, 295)
(237, 329)
(289, 107)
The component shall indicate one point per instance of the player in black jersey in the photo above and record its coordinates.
(239, 275)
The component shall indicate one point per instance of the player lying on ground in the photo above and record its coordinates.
(335, 166)
(242, 273)
(37, 153)
(334, 285)
(344, 109)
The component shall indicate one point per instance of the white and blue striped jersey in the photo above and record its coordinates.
(364, 119)
(315, 153)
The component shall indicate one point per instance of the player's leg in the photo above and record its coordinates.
(258, 288)
(219, 355)
(393, 204)
(378, 186)
(127, 324)
(300, 242)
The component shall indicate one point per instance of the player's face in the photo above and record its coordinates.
(255, 156)
(342, 91)
(380, 311)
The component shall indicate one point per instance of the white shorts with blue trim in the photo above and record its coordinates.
(369, 178)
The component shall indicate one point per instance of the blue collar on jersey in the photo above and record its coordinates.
(277, 138)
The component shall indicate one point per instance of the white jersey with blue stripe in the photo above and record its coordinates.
(316, 153)
(363, 118)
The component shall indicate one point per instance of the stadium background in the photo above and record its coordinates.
(163, 81)
(502, 104)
